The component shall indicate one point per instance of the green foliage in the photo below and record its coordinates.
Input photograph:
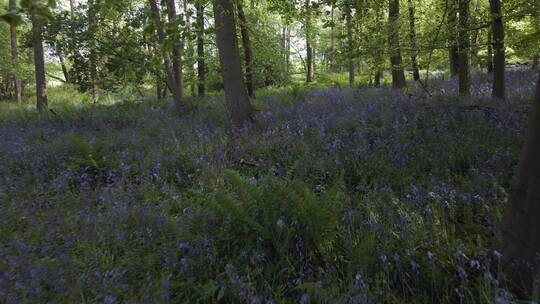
(278, 214)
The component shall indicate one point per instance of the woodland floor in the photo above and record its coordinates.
(332, 196)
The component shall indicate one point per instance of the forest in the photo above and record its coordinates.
(270, 151)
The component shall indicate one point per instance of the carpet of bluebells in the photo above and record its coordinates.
(331, 196)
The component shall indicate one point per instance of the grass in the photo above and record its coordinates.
(333, 195)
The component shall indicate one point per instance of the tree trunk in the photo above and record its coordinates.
(519, 242)
(248, 53)
(536, 21)
(15, 54)
(398, 75)
(378, 74)
(176, 49)
(350, 49)
(201, 68)
(171, 81)
(288, 50)
(498, 46)
(71, 8)
(63, 65)
(39, 63)
(238, 103)
(92, 28)
(490, 52)
(412, 37)
(190, 50)
(332, 37)
(453, 50)
(310, 68)
(464, 77)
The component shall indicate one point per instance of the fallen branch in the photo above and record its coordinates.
(56, 77)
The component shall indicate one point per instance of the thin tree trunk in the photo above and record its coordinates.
(71, 8)
(176, 49)
(63, 65)
(93, 56)
(171, 81)
(464, 77)
(238, 104)
(350, 57)
(490, 52)
(398, 75)
(288, 50)
(201, 68)
(190, 51)
(473, 47)
(453, 50)
(15, 55)
(377, 81)
(499, 61)
(332, 38)
(39, 63)
(519, 242)
(310, 68)
(378, 54)
(248, 53)
(412, 37)
(536, 20)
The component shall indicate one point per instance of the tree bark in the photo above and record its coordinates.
(72, 8)
(176, 49)
(350, 57)
(92, 27)
(490, 52)
(332, 38)
(15, 55)
(236, 96)
(464, 77)
(499, 62)
(453, 50)
(519, 242)
(398, 75)
(248, 53)
(39, 63)
(63, 64)
(412, 37)
(288, 50)
(201, 67)
(310, 68)
(190, 50)
(378, 57)
(171, 80)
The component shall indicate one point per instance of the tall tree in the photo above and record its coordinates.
(92, 28)
(72, 8)
(350, 48)
(201, 67)
(189, 49)
(248, 52)
(176, 47)
(238, 104)
(39, 63)
(378, 57)
(489, 52)
(463, 54)
(498, 46)
(412, 38)
(171, 81)
(398, 75)
(310, 67)
(519, 242)
(453, 50)
(15, 53)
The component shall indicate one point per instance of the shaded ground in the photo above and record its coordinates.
(334, 195)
